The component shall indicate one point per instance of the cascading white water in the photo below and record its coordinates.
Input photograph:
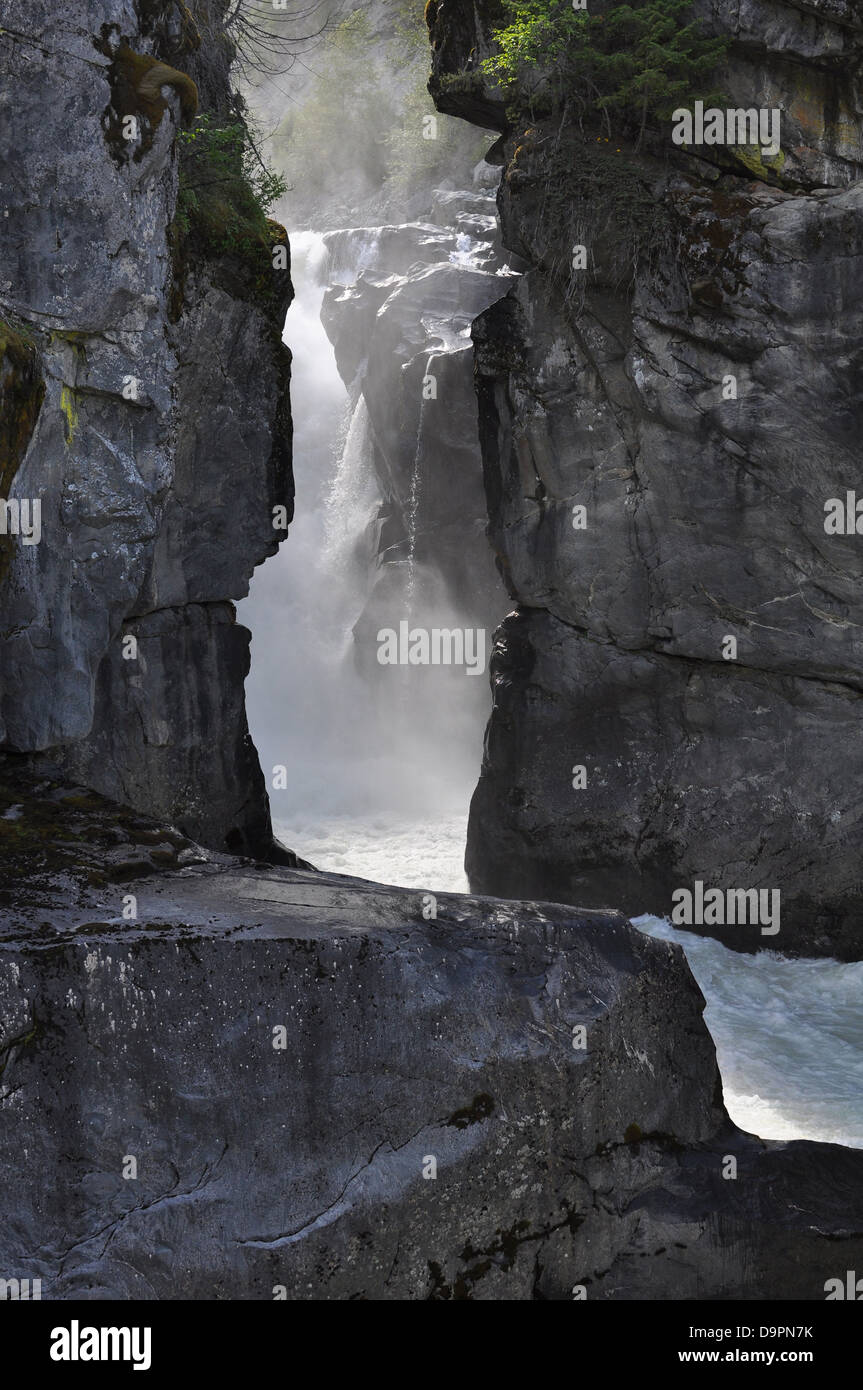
(378, 784)
(296, 702)
(350, 503)
(381, 791)
(414, 499)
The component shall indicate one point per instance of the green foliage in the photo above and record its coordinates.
(410, 19)
(358, 136)
(334, 138)
(225, 191)
(634, 59)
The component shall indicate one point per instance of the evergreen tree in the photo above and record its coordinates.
(639, 59)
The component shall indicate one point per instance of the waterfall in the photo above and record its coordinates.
(379, 770)
(414, 496)
(297, 616)
(350, 505)
(379, 774)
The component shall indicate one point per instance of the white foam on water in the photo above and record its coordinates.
(426, 855)
(788, 1034)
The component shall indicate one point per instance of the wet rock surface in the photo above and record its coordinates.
(224, 1079)
(398, 314)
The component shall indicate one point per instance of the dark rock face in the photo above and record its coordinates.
(150, 745)
(222, 1079)
(288, 1058)
(158, 441)
(622, 715)
(661, 433)
(460, 38)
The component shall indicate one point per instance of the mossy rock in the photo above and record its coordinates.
(587, 190)
(224, 232)
(462, 82)
(151, 77)
(769, 170)
(136, 82)
(48, 828)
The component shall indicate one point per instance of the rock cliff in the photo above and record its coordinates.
(661, 433)
(145, 375)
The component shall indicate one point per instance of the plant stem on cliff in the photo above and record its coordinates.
(267, 39)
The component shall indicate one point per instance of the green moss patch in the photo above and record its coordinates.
(136, 81)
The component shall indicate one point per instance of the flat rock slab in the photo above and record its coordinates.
(276, 1083)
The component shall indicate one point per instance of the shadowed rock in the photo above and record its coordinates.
(661, 431)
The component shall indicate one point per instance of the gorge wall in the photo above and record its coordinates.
(696, 391)
(144, 371)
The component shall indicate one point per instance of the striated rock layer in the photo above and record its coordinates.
(274, 1083)
(145, 393)
(696, 392)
